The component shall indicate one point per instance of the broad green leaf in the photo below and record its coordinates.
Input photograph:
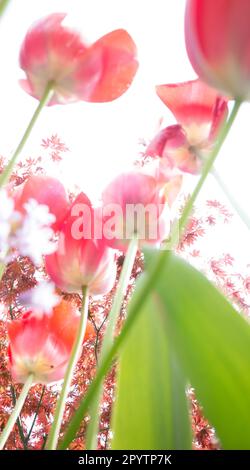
(150, 410)
(213, 343)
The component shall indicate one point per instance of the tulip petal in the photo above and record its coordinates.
(115, 58)
(191, 102)
(217, 40)
(172, 136)
(45, 190)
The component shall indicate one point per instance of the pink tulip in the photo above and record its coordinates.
(45, 190)
(79, 260)
(135, 203)
(54, 53)
(42, 345)
(200, 112)
(218, 44)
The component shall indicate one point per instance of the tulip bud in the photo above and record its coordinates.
(81, 259)
(133, 206)
(45, 190)
(42, 345)
(217, 41)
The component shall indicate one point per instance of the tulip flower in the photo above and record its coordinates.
(81, 260)
(46, 191)
(133, 206)
(52, 53)
(217, 40)
(199, 112)
(41, 346)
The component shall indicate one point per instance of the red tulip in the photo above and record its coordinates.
(100, 72)
(81, 260)
(45, 190)
(133, 207)
(199, 111)
(218, 43)
(42, 345)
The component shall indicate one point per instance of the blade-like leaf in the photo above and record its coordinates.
(213, 342)
(151, 409)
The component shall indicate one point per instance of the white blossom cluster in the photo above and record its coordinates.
(41, 299)
(28, 234)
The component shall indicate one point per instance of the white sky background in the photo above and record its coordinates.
(103, 138)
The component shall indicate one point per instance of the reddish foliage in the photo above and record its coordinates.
(32, 429)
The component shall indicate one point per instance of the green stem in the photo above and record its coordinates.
(102, 371)
(18, 421)
(55, 428)
(238, 209)
(2, 269)
(92, 431)
(209, 165)
(3, 5)
(16, 411)
(5, 176)
(146, 288)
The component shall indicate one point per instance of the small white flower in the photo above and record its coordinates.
(6, 206)
(4, 235)
(28, 234)
(33, 241)
(8, 218)
(41, 299)
(39, 213)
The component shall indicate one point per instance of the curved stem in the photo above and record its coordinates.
(119, 296)
(238, 209)
(5, 176)
(56, 425)
(3, 5)
(16, 411)
(2, 269)
(92, 431)
(18, 421)
(146, 288)
(209, 164)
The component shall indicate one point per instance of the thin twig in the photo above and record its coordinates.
(35, 417)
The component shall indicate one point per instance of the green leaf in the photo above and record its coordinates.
(151, 409)
(213, 343)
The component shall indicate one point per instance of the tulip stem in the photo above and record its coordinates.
(92, 431)
(16, 411)
(5, 176)
(3, 5)
(149, 282)
(76, 350)
(206, 169)
(2, 269)
(238, 209)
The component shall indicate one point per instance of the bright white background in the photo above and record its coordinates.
(103, 139)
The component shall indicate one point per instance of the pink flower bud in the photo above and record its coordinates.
(45, 190)
(51, 52)
(217, 41)
(80, 259)
(42, 345)
(133, 206)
